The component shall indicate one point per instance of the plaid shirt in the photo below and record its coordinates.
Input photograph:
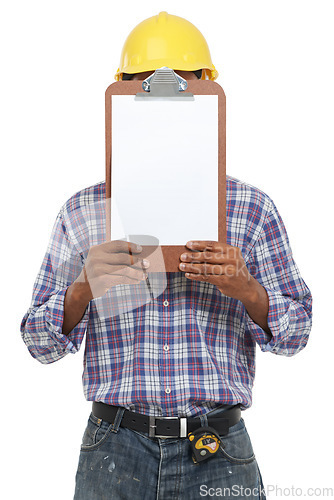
(190, 348)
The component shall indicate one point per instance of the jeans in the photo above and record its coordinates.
(119, 463)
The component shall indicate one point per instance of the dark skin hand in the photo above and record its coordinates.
(223, 265)
(109, 264)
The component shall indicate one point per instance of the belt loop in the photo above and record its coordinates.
(118, 418)
(204, 420)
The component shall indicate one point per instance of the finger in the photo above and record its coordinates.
(201, 277)
(216, 247)
(206, 256)
(131, 272)
(201, 245)
(124, 259)
(208, 269)
(121, 246)
(103, 269)
(122, 280)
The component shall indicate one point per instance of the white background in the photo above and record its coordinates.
(275, 65)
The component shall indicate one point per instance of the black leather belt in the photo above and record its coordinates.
(166, 426)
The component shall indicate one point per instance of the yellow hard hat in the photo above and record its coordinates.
(166, 40)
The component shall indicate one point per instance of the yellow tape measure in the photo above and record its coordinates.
(204, 443)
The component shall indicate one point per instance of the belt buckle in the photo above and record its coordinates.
(152, 426)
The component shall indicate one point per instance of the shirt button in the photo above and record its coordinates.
(166, 347)
(166, 303)
(167, 390)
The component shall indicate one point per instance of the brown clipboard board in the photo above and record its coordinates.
(171, 253)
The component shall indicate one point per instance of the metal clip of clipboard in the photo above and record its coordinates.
(164, 84)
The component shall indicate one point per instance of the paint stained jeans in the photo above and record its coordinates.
(118, 463)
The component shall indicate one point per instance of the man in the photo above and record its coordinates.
(168, 378)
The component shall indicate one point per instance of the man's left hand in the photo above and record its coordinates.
(224, 266)
(220, 264)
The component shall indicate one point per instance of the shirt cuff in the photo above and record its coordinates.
(278, 322)
(54, 315)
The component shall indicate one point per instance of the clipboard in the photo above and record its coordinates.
(168, 90)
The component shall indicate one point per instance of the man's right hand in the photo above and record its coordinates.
(113, 263)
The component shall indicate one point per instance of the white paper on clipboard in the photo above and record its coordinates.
(164, 175)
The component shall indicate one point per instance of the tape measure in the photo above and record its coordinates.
(204, 443)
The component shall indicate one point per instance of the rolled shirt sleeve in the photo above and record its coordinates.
(290, 302)
(41, 326)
